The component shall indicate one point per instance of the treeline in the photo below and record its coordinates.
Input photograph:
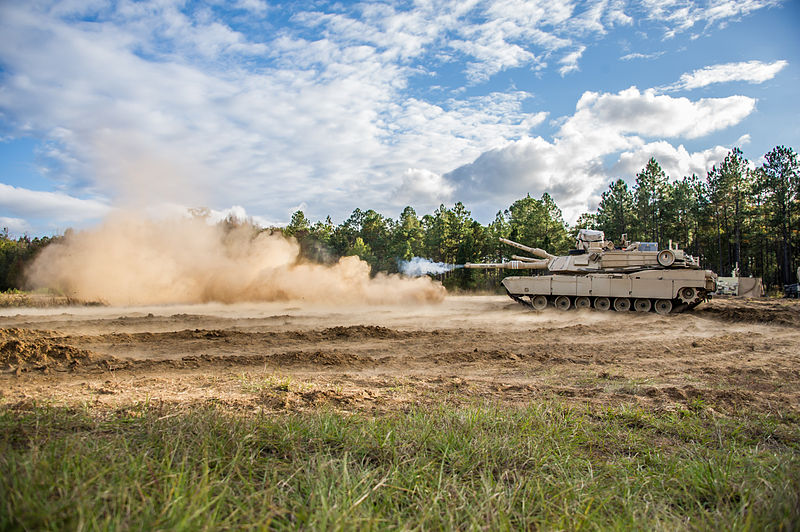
(15, 255)
(448, 235)
(738, 214)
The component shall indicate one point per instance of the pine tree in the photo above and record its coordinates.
(615, 214)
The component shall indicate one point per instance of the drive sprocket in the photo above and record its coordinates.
(689, 295)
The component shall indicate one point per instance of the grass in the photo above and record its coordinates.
(547, 466)
(41, 299)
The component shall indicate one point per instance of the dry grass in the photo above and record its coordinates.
(17, 298)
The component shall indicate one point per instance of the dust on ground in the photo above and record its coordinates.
(728, 355)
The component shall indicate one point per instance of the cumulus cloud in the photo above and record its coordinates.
(651, 114)
(749, 71)
(423, 188)
(573, 167)
(676, 161)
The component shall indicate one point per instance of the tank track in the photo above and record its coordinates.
(521, 301)
(676, 305)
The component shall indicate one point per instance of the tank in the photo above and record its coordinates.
(597, 274)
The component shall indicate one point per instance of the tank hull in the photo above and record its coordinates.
(682, 288)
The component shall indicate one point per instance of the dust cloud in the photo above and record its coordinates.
(131, 260)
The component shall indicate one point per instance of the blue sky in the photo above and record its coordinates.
(264, 107)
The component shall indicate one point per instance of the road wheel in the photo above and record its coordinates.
(563, 303)
(663, 306)
(622, 304)
(642, 305)
(582, 303)
(539, 302)
(666, 258)
(602, 303)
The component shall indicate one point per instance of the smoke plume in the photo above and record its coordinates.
(130, 260)
(419, 266)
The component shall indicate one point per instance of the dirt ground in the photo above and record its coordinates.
(727, 355)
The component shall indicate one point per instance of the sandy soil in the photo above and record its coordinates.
(727, 355)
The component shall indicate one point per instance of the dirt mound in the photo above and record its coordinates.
(23, 349)
(352, 332)
(361, 331)
(781, 312)
(288, 358)
(320, 358)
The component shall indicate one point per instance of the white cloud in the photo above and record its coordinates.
(570, 61)
(258, 7)
(238, 212)
(423, 188)
(15, 226)
(494, 55)
(653, 115)
(677, 162)
(25, 203)
(749, 71)
(572, 168)
(681, 15)
(637, 55)
(515, 33)
(616, 14)
(600, 15)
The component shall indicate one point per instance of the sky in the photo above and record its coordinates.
(262, 108)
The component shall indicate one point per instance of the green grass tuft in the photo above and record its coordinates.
(486, 466)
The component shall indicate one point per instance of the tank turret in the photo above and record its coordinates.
(593, 253)
(599, 274)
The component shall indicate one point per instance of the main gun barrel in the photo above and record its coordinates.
(533, 251)
(510, 265)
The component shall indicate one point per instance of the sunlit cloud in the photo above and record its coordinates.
(572, 168)
(747, 71)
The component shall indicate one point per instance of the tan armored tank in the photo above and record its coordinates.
(598, 275)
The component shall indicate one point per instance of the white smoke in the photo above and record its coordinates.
(419, 266)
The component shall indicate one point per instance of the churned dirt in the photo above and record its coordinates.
(728, 354)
